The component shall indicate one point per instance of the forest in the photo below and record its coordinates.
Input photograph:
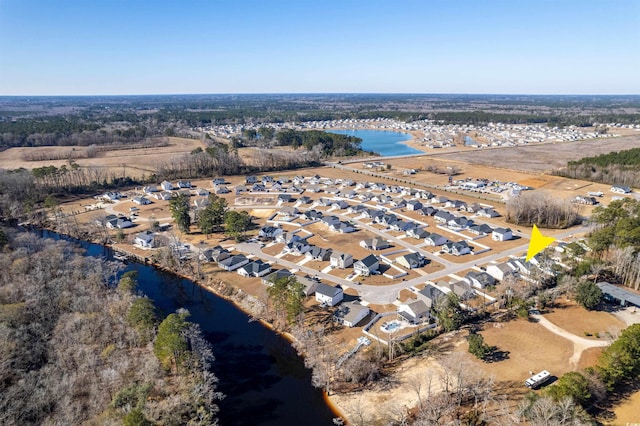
(83, 121)
(79, 347)
(616, 168)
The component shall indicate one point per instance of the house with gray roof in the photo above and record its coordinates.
(340, 260)
(414, 312)
(376, 243)
(619, 295)
(479, 279)
(367, 266)
(411, 260)
(329, 295)
(350, 314)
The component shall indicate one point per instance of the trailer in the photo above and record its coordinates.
(596, 194)
(538, 380)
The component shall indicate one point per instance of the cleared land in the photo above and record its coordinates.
(543, 157)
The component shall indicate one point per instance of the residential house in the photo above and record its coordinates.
(459, 223)
(119, 222)
(620, 189)
(166, 186)
(351, 313)
(435, 240)
(487, 212)
(482, 229)
(288, 212)
(150, 189)
(457, 249)
(214, 254)
(373, 214)
(411, 260)
(473, 207)
(141, 201)
(312, 214)
(414, 205)
(184, 184)
(269, 232)
(218, 181)
(428, 211)
(309, 284)
(222, 189)
(201, 192)
(479, 279)
(456, 204)
(376, 243)
(240, 189)
(314, 188)
(304, 200)
(267, 179)
(367, 266)
(415, 312)
(144, 239)
(342, 227)
(234, 262)
(318, 253)
(258, 187)
(257, 268)
(287, 237)
(501, 234)
(429, 294)
(443, 216)
(297, 248)
(329, 220)
(324, 202)
(500, 271)
(417, 233)
(201, 203)
(462, 289)
(357, 209)
(340, 260)
(340, 204)
(398, 202)
(272, 277)
(163, 195)
(440, 199)
(329, 295)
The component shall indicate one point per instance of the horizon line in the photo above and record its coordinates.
(314, 93)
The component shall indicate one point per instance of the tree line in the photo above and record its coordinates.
(616, 168)
(77, 349)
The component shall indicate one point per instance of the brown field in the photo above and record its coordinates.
(627, 412)
(577, 320)
(544, 157)
(134, 162)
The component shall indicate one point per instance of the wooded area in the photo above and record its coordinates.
(76, 349)
(615, 168)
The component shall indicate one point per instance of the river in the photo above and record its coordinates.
(264, 380)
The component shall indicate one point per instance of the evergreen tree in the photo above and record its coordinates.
(179, 208)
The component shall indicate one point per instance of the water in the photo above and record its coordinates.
(385, 143)
(265, 381)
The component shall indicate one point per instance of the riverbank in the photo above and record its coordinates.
(244, 302)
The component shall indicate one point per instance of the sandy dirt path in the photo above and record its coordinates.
(580, 344)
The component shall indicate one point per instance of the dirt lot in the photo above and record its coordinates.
(627, 412)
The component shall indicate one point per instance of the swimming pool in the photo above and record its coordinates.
(391, 326)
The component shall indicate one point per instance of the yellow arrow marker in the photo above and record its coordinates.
(538, 243)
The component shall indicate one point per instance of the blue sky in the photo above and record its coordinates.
(95, 47)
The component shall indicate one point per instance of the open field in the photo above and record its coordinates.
(575, 319)
(132, 162)
(543, 157)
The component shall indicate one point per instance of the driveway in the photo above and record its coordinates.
(580, 344)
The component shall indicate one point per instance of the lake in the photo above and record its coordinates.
(263, 378)
(384, 142)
